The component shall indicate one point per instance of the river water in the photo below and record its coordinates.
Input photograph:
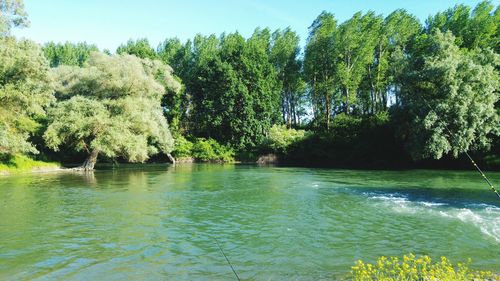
(273, 223)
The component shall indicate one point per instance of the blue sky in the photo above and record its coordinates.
(108, 23)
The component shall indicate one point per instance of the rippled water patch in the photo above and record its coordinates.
(273, 223)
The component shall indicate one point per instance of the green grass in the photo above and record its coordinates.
(21, 163)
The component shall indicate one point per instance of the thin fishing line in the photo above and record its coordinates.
(232, 268)
(466, 153)
(483, 175)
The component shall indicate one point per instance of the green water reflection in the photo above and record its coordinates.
(274, 223)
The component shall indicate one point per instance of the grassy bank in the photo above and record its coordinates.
(20, 163)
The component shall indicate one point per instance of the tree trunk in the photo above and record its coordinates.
(347, 101)
(171, 158)
(384, 99)
(372, 98)
(327, 113)
(89, 163)
(283, 106)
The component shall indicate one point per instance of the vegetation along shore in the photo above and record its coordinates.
(372, 92)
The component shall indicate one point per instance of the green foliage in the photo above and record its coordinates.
(361, 142)
(25, 92)
(112, 106)
(68, 53)
(280, 138)
(235, 90)
(477, 28)
(450, 95)
(12, 14)
(139, 48)
(182, 147)
(209, 150)
(411, 267)
(201, 149)
(319, 66)
(235, 97)
(170, 51)
(393, 35)
(284, 55)
(355, 44)
(21, 163)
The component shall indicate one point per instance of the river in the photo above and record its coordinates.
(273, 223)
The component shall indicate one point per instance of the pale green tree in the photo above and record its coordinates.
(25, 92)
(450, 95)
(12, 14)
(112, 106)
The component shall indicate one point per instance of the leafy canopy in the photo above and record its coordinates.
(25, 91)
(112, 105)
(451, 96)
(68, 53)
(12, 14)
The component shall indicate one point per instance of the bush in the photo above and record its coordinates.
(280, 138)
(205, 150)
(209, 150)
(182, 147)
(421, 268)
(361, 142)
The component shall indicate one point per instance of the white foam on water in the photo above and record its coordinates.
(398, 203)
(483, 216)
(431, 204)
(487, 219)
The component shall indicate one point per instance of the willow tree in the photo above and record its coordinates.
(450, 95)
(12, 14)
(111, 106)
(25, 92)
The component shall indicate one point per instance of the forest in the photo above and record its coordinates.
(373, 91)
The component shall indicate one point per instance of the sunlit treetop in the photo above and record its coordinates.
(12, 14)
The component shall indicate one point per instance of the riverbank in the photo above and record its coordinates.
(22, 164)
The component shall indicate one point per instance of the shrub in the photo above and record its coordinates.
(223, 153)
(280, 138)
(182, 147)
(210, 150)
(421, 268)
(205, 150)
(361, 142)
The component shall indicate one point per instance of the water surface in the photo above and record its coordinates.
(273, 223)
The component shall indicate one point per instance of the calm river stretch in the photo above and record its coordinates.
(273, 223)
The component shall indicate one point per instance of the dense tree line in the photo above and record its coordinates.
(363, 89)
